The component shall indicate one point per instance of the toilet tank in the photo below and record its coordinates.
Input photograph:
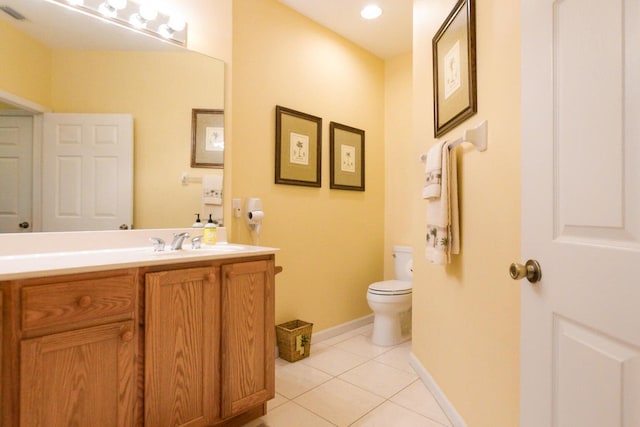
(403, 262)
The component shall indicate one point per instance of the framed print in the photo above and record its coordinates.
(207, 138)
(454, 68)
(347, 157)
(298, 148)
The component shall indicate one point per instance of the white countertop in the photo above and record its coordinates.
(48, 254)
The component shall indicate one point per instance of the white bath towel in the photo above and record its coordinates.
(443, 227)
(433, 172)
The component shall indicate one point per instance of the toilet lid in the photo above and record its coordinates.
(391, 287)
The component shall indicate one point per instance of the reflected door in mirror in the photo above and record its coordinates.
(16, 136)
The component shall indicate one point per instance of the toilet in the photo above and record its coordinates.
(390, 301)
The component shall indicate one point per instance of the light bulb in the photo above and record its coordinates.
(117, 4)
(107, 10)
(176, 23)
(165, 31)
(148, 12)
(371, 11)
(137, 21)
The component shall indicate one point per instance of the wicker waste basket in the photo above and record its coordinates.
(294, 340)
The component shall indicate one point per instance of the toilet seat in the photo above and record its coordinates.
(391, 287)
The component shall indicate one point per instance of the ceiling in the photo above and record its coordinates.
(386, 37)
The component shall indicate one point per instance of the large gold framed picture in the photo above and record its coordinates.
(347, 157)
(454, 68)
(298, 148)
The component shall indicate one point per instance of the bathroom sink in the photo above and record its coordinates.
(219, 247)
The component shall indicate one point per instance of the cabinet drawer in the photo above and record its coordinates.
(69, 302)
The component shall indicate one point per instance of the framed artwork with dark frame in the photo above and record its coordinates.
(207, 138)
(454, 68)
(298, 148)
(347, 157)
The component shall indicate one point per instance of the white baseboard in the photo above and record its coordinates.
(325, 334)
(435, 390)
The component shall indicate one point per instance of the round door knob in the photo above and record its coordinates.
(24, 225)
(531, 270)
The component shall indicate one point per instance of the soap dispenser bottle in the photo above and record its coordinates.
(198, 223)
(209, 232)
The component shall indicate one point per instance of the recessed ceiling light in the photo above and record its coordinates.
(371, 11)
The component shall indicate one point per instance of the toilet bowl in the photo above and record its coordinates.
(390, 300)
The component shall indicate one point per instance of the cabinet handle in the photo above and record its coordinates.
(211, 278)
(84, 301)
(126, 336)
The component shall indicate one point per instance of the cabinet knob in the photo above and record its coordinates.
(84, 301)
(211, 278)
(126, 336)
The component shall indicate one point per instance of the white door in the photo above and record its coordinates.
(87, 172)
(580, 339)
(16, 145)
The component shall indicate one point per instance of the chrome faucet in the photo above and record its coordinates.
(178, 239)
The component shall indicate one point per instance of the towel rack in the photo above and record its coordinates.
(476, 136)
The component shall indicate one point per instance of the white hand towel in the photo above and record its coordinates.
(443, 228)
(433, 172)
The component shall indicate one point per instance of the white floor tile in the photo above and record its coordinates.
(362, 346)
(339, 402)
(419, 399)
(398, 357)
(276, 401)
(378, 378)
(290, 415)
(364, 330)
(334, 361)
(296, 378)
(391, 415)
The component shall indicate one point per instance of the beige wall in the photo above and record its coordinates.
(467, 314)
(26, 65)
(399, 158)
(331, 240)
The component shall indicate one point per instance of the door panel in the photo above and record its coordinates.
(581, 216)
(16, 147)
(87, 172)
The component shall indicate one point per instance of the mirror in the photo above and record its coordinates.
(62, 61)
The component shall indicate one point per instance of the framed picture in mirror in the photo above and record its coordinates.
(207, 138)
(298, 148)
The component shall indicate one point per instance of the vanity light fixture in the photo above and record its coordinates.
(145, 14)
(371, 11)
(143, 17)
(110, 8)
(174, 25)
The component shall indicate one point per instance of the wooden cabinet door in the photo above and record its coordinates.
(181, 352)
(247, 336)
(79, 378)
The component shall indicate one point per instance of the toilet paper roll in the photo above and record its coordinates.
(256, 215)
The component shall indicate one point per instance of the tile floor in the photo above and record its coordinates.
(348, 381)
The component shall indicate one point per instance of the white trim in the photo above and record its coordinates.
(25, 104)
(436, 391)
(326, 334)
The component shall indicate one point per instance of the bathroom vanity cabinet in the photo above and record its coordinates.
(183, 343)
